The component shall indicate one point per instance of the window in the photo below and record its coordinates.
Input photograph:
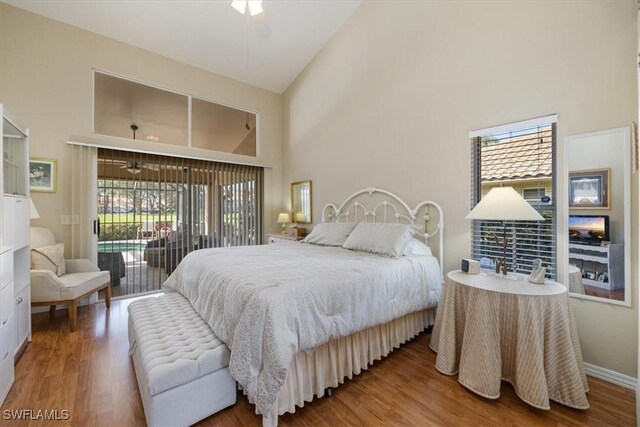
(133, 110)
(220, 128)
(533, 195)
(523, 156)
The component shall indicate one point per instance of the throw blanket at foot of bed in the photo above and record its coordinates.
(270, 302)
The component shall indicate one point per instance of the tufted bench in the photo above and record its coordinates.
(181, 366)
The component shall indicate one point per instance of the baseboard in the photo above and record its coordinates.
(43, 309)
(611, 376)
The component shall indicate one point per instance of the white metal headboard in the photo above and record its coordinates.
(354, 210)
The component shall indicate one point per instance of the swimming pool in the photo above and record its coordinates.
(121, 246)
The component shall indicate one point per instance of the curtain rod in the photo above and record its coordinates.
(160, 153)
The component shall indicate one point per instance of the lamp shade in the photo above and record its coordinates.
(300, 217)
(504, 204)
(283, 218)
(33, 212)
(239, 5)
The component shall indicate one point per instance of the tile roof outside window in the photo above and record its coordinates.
(517, 158)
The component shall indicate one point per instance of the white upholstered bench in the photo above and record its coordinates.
(181, 366)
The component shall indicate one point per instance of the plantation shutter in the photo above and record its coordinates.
(525, 159)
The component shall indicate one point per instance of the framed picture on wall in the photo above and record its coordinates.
(589, 189)
(43, 175)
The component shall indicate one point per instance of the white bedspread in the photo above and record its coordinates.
(269, 302)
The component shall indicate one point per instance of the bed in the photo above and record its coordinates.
(300, 318)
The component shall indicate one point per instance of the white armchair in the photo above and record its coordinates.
(82, 279)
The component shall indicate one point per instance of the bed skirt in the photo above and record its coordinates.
(327, 366)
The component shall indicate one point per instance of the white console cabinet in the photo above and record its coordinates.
(15, 290)
(605, 263)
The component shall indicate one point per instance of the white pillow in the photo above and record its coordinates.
(49, 258)
(379, 238)
(330, 233)
(416, 248)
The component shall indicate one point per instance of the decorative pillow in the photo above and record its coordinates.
(330, 233)
(49, 258)
(379, 238)
(416, 248)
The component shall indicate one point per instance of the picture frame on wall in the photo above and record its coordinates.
(43, 175)
(589, 189)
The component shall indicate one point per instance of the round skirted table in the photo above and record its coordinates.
(489, 329)
(575, 280)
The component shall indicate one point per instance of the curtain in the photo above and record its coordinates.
(84, 243)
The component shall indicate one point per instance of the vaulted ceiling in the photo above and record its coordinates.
(268, 50)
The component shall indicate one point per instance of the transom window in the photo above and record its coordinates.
(132, 110)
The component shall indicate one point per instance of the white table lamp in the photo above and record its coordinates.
(283, 219)
(33, 212)
(504, 204)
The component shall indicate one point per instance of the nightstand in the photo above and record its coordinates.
(279, 238)
(490, 329)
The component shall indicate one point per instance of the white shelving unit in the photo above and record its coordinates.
(15, 292)
(7, 321)
(600, 259)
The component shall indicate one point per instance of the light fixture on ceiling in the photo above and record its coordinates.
(136, 167)
(255, 6)
(132, 167)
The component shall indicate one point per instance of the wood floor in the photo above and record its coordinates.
(616, 294)
(89, 374)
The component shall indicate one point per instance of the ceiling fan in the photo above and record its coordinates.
(255, 14)
(254, 6)
(136, 167)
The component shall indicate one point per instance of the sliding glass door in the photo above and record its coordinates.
(154, 210)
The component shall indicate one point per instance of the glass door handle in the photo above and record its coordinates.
(96, 226)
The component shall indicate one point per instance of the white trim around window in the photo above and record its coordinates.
(517, 126)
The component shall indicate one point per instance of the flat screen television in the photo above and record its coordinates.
(588, 229)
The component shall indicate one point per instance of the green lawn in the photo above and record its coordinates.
(132, 218)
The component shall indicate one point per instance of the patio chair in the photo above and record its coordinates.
(167, 252)
(147, 229)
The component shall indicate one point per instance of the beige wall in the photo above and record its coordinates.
(389, 102)
(46, 83)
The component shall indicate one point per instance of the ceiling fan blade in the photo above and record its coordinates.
(261, 24)
(151, 166)
(131, 167)
(128, 165)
